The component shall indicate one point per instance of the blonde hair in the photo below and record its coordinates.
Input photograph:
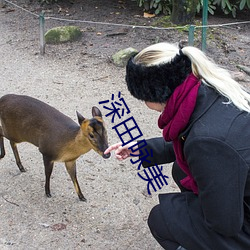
(202, 67)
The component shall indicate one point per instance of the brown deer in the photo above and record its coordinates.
(59, 138)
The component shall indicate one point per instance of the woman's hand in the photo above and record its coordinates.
(122, 152)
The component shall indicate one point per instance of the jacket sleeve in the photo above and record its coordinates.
(162, 152)
(220, 173)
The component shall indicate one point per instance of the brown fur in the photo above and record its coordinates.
(59, 138)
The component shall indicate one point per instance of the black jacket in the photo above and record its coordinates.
(216, 145)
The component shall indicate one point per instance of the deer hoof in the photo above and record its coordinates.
(82, 198)
(48, 195)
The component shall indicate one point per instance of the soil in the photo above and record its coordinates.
(77, 76)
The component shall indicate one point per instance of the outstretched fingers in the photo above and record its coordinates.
(121, 152)
(112, 147)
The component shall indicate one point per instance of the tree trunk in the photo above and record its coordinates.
(183, 11)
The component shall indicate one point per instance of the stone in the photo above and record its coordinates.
(239, 76)
(63, 34)
(121, 58)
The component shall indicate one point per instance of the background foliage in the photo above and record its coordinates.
(227, 6)
(165, 6)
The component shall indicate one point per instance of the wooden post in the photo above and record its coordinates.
(42, 31)
(204, 23)
(191, 35)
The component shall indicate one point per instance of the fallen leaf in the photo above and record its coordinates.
(147, 15)
(58, 227)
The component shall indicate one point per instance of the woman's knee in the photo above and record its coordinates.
(159, 229)
(154, 217)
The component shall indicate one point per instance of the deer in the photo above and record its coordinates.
(58, 138)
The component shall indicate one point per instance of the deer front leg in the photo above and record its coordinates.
(2, 147)
(18, 161)
(71, 168)
(48, 165)
(1, 144)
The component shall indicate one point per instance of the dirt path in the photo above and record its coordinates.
(74, 77)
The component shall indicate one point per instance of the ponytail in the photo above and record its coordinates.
(218, 78)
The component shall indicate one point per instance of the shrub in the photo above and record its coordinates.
(165, 6)
(157, 6)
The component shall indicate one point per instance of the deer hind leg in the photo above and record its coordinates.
(71, 168)
(48, 165)
(1, 144)
(18, 161)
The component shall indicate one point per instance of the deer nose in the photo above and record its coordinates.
(106, 156)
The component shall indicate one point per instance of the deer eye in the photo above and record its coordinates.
(91, 136)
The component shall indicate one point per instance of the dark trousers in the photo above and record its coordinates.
(156, 223)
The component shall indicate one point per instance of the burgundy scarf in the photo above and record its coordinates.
(174, 119)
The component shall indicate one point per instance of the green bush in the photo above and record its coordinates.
(156, 6)
(232, 6)
(227, 6)
(211, 7)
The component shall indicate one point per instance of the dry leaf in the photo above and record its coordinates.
(58, 227)
(147, 15)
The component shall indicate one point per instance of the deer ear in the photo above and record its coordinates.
(96, 112)
(80, 118)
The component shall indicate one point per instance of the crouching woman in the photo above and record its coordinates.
(205, 121)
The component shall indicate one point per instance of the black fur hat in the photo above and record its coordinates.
(156, 83)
